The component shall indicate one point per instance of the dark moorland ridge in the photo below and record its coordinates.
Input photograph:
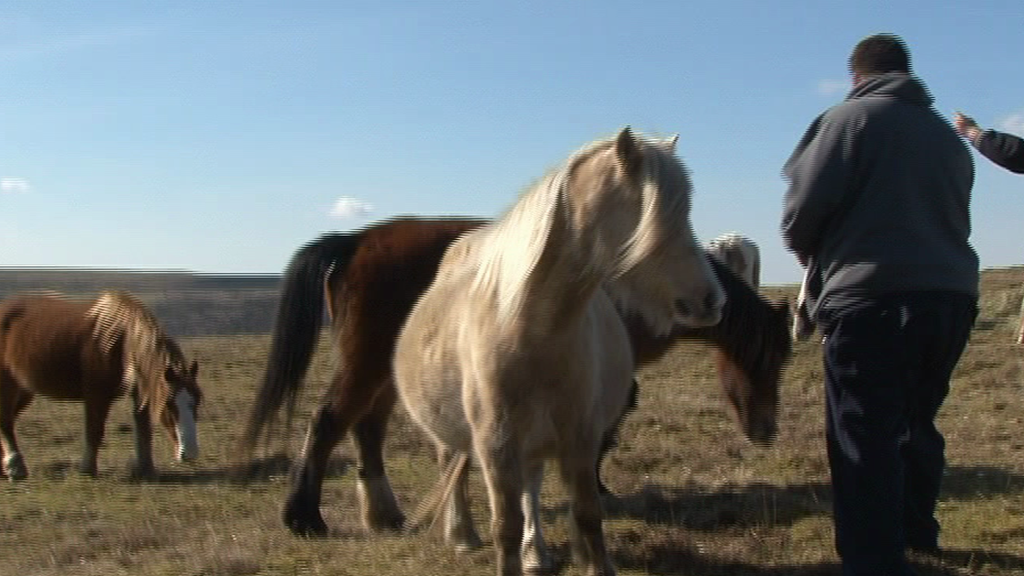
(187, 304)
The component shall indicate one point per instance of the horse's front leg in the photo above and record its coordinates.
(380, 507)
(12, 401)
(588, 535)
(96, 410)
(536, 557)
(502, 469)
(143, 426)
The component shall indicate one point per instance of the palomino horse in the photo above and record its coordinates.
(370, 280)
(94, 352)
(515, 355)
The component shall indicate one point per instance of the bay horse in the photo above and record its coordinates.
(741, 255)
(516, 354)
(368, 280)
(94, 352)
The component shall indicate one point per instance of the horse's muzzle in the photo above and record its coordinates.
(707, 313)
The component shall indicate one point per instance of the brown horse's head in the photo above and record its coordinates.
(181, 408)
(750, 379)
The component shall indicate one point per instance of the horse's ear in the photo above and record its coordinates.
(628, 151)
(672, 142)
(193, 369)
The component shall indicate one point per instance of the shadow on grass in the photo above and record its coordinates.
(253, 472)
(763, 504)
(682, 561)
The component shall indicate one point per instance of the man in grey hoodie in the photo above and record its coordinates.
(878, 208)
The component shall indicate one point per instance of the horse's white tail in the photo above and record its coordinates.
(803, 324)
(439, 495)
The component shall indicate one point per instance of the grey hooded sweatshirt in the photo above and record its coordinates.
(879, 198)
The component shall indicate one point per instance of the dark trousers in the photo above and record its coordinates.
(887, 370)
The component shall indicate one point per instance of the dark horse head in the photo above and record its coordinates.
(754, 346)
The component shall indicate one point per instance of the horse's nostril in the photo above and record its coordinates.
(710, 301)
(682, 308)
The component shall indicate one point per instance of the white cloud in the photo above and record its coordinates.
(829, 87)
(14, 185)
(347, 207)
(1013, 123)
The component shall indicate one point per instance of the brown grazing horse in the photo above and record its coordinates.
(94, 352)
(371, 279)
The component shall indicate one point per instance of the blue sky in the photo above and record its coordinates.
(220, 136)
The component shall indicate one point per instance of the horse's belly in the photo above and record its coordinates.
(59, 378)
(429, 385)
(437, 409)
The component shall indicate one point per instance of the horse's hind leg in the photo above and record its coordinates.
(12, 401)
(344, 403)
(588, 535)
(380, 507)
(96, 410)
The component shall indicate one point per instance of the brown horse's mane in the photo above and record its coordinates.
(121, 318)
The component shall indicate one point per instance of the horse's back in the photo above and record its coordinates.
(46, 345)
(369, 297)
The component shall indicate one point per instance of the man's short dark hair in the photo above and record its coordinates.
(878, 54)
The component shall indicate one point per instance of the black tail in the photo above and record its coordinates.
(300, 313)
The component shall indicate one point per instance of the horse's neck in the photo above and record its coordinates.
(738, 334)
(561, 286)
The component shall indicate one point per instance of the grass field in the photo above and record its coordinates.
(695, 497)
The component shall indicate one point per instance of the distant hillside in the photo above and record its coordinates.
(187, 304)
(192, 304)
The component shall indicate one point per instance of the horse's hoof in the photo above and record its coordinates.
(385, 522)
(142, 472)
(380, 511)
(466, 544)
(89, 471)
(309, 524)
(15, 468)
(539, 566)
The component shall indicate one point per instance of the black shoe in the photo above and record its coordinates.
(930, 550)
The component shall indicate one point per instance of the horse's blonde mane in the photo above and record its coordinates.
(146, 351)
(663, 215)
(511, 247)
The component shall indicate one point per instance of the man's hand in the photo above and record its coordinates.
(966, 126)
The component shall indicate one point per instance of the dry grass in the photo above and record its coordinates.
(696, 499)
